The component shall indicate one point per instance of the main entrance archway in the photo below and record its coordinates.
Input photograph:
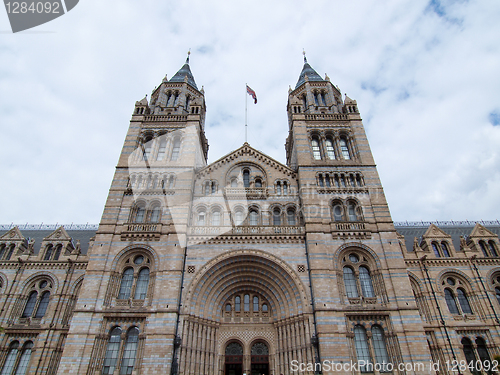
(259, 359)
(234, 359)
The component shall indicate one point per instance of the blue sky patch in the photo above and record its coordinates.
(494, 118)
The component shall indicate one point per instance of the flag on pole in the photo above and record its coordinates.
(252, 94)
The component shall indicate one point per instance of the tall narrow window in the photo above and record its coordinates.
(201, 218)
(48, 252)
(258, 183)
(379, 347)
(162, 149)
(468, 350)
(237, 304)
(130, 351)
(278, 188)
(329, 149)
(320, 180)
(255, 304)
(304, 101)
(436, 250)
(214, 187)
(290, 214)
(493, 249)
(155, 214)
(234, 182)
(482, 245)
(126, 284)
(10, 362)
(238, 217)
(323, 98)
(171, 182)
(464, 302)
(315, 148)
(482, 351)
(42, 306)
(11, 251)
(337, 212)
(444, 247)
(344, 149)
(2, 250)
(147, 150)
(316, 98)
(276, 216)
(366, 282)
(350, 283)
(112, 352)
(139, 215)
(285, 188)
(57, 253)
(362, 351)
(176, 149)
(254, 217)
(207, 188)
(141, 288)
(351, 210)
(216, 218)
(246, 178)
(327, 180)
(25, 358)
(450, 301)
(246, 302)
(30, 305)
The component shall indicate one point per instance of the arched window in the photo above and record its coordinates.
(176, 149)
(450, 301)
(379, 347)
(48, 252)
(366, 282)
(344, 149)
(42, 305)
(285, 188)
(351, 210)
(276, 216)
(147, 149)
(129, 351)
(141, 288)
(444, 247)
(254, 216)
(238, 217)
(162, 149)
(10, 252)
(315, 148)
(171, 182)
(436, 250)
(264, 307)
(246, 302)
(2, 250)
(201, 219)
(216, 217)
(362, 350)
(246, 178)
(25, 358)
(139, 215)
(493, 249)
(57, 253)
(228, 307)
(10, 362)
(278, 188)
(255, 303)
(290, 215)
(482, 245)
(30, 305)
(350, 283)
(329, 149)
(482, 351)
(155, 214)
(258, 183)
(338, 210)
(320, 180)
(237, 304)
(112, 351)
(464, 302)
(469, 354)
(126, 284)
(207, 188)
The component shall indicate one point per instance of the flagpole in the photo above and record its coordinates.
(246, 105)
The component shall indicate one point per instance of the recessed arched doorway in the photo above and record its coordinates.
(259, 358)
(234, 359)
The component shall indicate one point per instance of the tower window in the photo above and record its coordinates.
(315, 148)
(329, 149)
(276, 216)
(176, 149)
(162, 149)
(344, 149)
(291, 216)
(246, 178)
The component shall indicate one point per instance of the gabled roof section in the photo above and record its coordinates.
(435, 232)
(247, 150)
(12, 235)
(183, 74)
(312, 75)
(59, 234)
(481, 231)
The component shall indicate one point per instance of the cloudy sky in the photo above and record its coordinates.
(426, 75)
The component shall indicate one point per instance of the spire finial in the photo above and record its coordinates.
(304, 53)
(189, 52)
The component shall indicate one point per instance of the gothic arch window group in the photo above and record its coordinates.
(18, 358)
(495, 282)
(456, 295)
(6, 251)
(441, 249)
(52, 252)
(339, 180)
(488, 248)
(37, 298)
(143, 212)
(331, 146)
(135, 276)
(210, 187)
(346, 210)
(121, 351)
(208, 216)
(282, 187)
(246, 303)
(154, 147)
(474, 351)
(246, 176)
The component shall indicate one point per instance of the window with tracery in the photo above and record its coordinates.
(441, 249)
(52, 253)
(6, 251)
(121, 353)
(496, 286)
(37, 300)
(368, 345)
(315, 147)
(135, 276)
(348, 211)
(142, 214)
(17, 360)
(357, 278)
(456, 296)
(489, 249)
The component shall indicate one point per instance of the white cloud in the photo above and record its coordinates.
(425, 76)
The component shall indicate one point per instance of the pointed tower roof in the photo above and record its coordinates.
(312, 75)
(184, 72)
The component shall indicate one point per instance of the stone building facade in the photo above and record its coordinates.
(247, 265)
